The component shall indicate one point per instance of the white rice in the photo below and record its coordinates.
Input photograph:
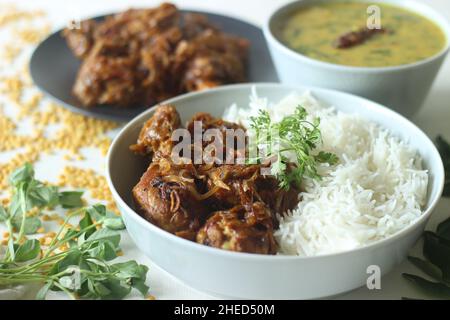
(377, 188)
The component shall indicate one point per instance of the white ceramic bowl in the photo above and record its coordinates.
(402, 88)
(241, 275)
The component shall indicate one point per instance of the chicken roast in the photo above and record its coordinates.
(228, 206)
(144, 56)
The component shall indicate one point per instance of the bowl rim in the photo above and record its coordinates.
(376, 107)
(413, 6)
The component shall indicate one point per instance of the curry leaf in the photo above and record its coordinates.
(443, 229)
(429, 287)
(427, 267)
(437, 251)
(444, 150)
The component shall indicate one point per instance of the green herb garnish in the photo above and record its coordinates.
(83, 268)
(293, 134)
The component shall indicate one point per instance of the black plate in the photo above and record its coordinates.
(53, 67)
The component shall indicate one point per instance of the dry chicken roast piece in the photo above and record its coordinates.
(240, 229)
(169, 196)
(144, 56)
(156, 134)
(233, 149)
(228, 206)
(245, 184)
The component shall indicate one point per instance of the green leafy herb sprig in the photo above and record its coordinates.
(294, 133)
(444, 150)
(84, 269)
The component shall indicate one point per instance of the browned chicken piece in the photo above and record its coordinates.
(194, 24)
(232, 149)
(144, 56)
(245, 184)
(139, 24)
(80, 40)
(278, 199)
(210, 122)
(210, 59)
(168, 196)
(155, 59)
(156, 134)
(228, 206)
(109, 75)
(240, 230)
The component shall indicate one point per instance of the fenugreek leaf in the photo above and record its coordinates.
(27, 251)
(85, 222)
(43, 196)
(42, 293)
(109, 219)
(88, 251)
(103, 235)
(3, 214)
(22, 174)
(71, 199)
(32, 224)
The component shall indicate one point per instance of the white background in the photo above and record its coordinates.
(434, 118)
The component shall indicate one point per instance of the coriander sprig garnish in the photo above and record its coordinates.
(293, 134)
(77, 261)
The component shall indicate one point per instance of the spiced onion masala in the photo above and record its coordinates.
(143, 56)
(228, 206)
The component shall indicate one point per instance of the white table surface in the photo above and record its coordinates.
(434, 118)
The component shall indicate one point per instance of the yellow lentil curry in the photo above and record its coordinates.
(406, 37)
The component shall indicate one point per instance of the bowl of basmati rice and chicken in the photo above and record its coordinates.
(367, 209)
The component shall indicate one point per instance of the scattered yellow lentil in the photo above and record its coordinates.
(33, 212)
(90, 180)
(31, 35)
(64, 247)
(11, 14)
(72, 132)
(50, 234)
(10, 52)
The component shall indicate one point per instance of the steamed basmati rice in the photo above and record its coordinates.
(377, 188)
